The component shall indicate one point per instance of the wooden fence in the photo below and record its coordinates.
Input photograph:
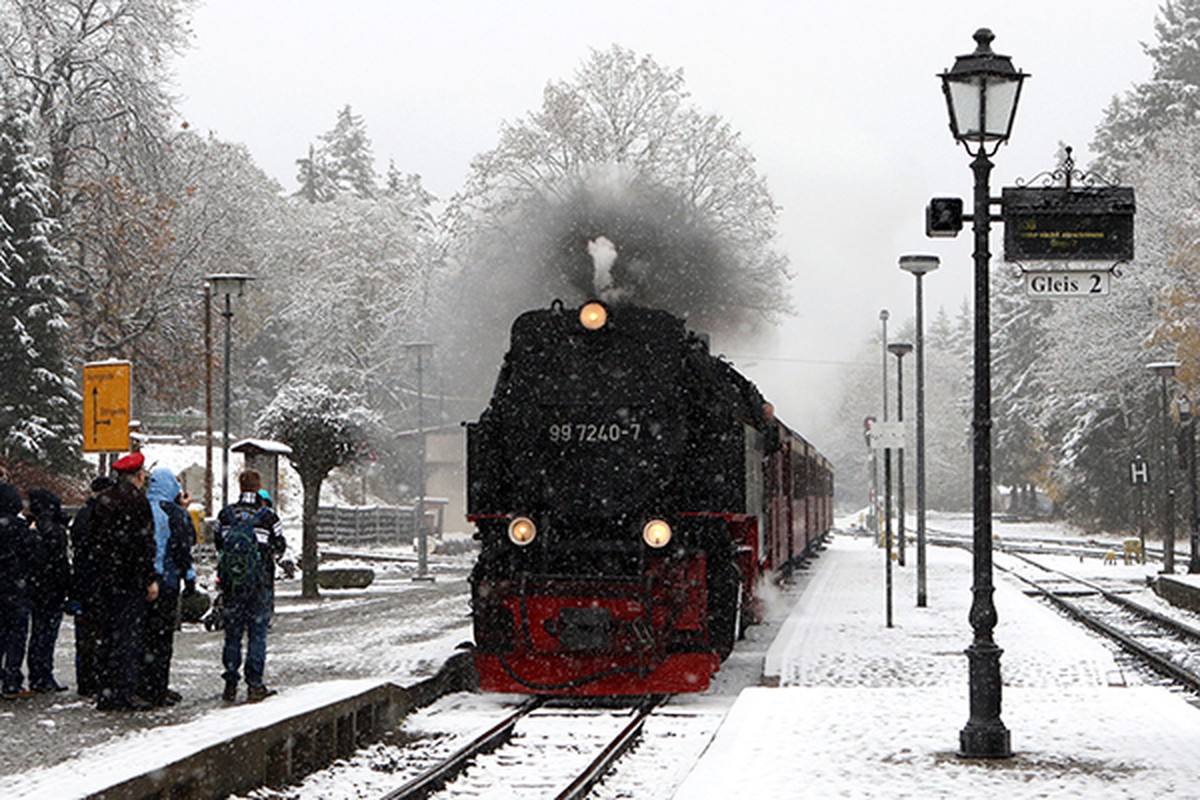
(386, 525)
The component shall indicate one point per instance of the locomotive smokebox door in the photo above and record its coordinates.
(584, 628)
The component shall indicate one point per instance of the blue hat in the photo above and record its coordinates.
(266, 496)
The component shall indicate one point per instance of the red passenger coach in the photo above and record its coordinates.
(630, 493)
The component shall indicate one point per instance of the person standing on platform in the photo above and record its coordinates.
(248, 537)
(49, 582)
(15, 545)
(84, 603)
(174, 535)
(123, 533)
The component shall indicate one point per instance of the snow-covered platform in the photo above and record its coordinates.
(867, 711)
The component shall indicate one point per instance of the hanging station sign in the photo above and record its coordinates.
(1068, 224)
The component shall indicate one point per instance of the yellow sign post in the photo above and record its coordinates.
(106, 406)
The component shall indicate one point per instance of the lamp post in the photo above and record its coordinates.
(900, 350)
(422, 534)
(981, 92)
(1187, 422)
(920, 265)
(1165, 370)
(228, 284)
(208, 411)
(886, 516)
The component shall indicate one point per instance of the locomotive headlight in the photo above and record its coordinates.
(656, 533)
(593, 316)
(521, 531)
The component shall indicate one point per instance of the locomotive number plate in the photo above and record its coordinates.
(563, 432)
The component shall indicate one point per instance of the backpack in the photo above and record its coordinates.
(239, 567)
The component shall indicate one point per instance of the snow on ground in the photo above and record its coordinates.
(871, 712)
(862, 711)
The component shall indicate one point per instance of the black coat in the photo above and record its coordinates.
(50, 569)
(16, 542)
(122, 532)
(84, 581)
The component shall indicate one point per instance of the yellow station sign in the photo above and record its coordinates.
(106, 406)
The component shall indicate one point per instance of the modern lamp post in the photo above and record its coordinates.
(886, 516)
(422, 535)
(900, 350)
(920, 265)
(981, 91)
(228, 284)
(1165, 370)
(1187, 421)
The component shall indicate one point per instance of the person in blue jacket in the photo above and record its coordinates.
(174, 536)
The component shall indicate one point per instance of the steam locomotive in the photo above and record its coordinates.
(630, 492)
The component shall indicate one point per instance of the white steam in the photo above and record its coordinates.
(604, 255)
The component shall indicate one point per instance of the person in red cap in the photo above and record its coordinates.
(123, 536)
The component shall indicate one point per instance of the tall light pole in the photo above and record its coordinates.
(422, 534)
(208, 410)
(228, 284)
(920, 265)
(1165, 370)
(900, 350)
(1187, 421)
(981, 91)
(886, 517)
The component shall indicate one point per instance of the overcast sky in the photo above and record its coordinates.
(838, 100)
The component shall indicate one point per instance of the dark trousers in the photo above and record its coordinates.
(158, 645)
(122, 615)
(43, 636)
(14, 634)
(87, 652)
(246, 616)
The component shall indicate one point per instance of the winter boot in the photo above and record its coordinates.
(257, 693)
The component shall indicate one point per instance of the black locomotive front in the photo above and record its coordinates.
(602, 479)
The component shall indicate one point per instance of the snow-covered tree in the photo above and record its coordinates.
(1171, 96)
(38, 401)
(617, 152)
(93, 76)
(343, 164)
(325, 429)
(1021, 458)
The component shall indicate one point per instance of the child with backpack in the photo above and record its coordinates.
(248, 538)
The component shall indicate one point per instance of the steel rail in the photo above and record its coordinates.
(450, 768)
(1156, 660)
(603, 762)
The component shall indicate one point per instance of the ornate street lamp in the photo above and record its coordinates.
(228, 284)
(900, 350)
(981, 92)
(1165, 370)
(920, 265)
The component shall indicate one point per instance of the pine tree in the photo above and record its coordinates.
(38, 400)
(1171, 96)
(346, 153)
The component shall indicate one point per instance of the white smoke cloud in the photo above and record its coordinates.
(604, 255)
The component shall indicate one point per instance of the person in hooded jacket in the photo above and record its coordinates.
(85, 592)
(174, 535)
(49, 582)
(15, 544)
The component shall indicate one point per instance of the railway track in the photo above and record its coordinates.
(1166, 644)
(1050, 546)
(524, 754)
